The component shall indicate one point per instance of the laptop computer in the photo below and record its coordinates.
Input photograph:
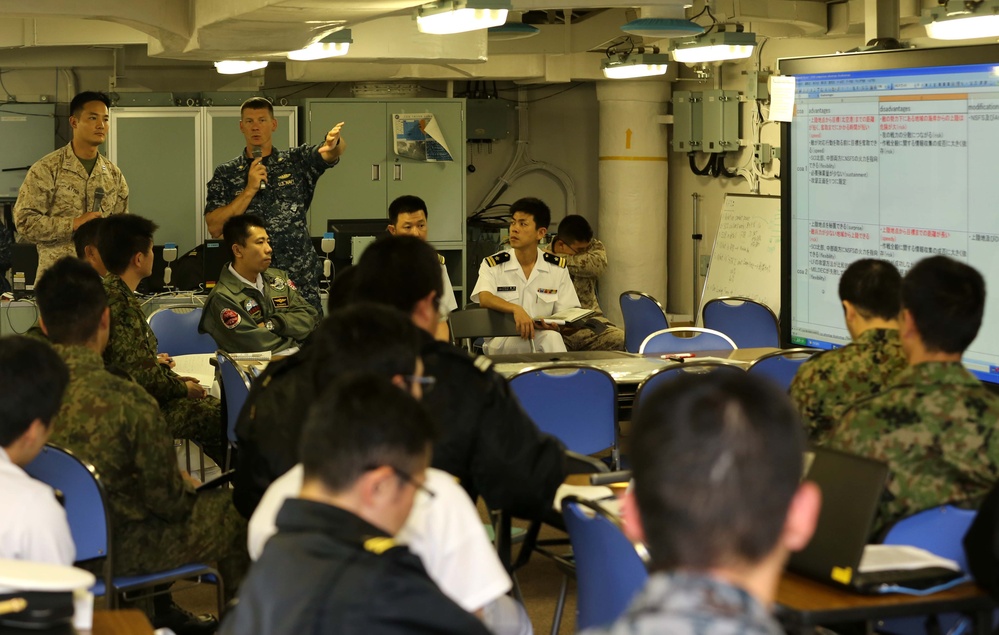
(852, 487)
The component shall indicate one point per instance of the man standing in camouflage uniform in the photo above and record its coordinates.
(276, 185)
(717, 460)
(586, 260)
(826, 385)
(125, 244)
(935, 425)
(158, 520)
(72, 185)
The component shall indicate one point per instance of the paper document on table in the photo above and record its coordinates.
(197, 365)
(566, 316)
(901, 558)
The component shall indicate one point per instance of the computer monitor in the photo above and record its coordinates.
(216, 255)
(352, 236)
(889, 155)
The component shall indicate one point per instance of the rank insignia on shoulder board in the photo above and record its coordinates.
(558, 261)
(440, 258)
(378, 544)
(498, 258)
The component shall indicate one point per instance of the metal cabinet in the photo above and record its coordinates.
(168, 156)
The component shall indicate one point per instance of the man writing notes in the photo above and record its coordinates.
(254, 307)
(526, 282)
(68, 187)
(276, 185)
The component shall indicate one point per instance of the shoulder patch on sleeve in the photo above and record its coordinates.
(483, 363)
(379, 544)
(441, 258)
(230, 319)
(558, 261)
(498, 258)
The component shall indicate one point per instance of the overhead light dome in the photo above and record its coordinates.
(662, 28)
(512, 31)
(235, 67)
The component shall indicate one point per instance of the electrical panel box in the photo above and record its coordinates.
(721, 121)
(489, 119)
(28, 134)
(686, 121)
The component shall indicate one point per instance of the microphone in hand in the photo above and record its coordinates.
(98, 199)
(257, 153)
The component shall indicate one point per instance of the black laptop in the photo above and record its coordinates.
(852, 487)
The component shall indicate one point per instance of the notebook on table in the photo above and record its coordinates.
(838, 553)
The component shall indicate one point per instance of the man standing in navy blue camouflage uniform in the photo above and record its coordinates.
(276, 185)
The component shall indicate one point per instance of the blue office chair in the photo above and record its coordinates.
(781, 366)
(939, 530)
(642, 315)
(235, 389)
(686, 339)
(90, 526)
(663, 375)
(576, 404)
(749, 323)
(610, 570)
(176, 330)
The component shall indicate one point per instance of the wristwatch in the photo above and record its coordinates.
(269, 325)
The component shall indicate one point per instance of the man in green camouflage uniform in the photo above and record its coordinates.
(586, 260)
(60, 192)
(126, 247)
(935, 425)
(277, 186)
(826, 385)
(254, 307)
(158, 521)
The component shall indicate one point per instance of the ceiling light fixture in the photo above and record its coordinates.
(960, 20)
(633, 65)
(662, 28)
(719, 46)
(445, 17)
(333, 45)
(512, 31)
(235, 67)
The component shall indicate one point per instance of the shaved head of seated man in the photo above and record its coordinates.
(717, 499)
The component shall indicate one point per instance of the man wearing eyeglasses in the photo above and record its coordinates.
(333, 566)
(586, 260)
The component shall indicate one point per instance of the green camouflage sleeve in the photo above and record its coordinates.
(132, 347)
(165, 493)
(804, 393)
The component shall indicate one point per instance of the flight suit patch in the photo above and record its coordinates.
(230, 319)
(281, 301)
(251, 307)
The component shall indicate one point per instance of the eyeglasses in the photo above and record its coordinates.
(426, 382)
(405, 477)
(565, 244)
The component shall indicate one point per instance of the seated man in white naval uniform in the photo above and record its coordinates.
(527, 282)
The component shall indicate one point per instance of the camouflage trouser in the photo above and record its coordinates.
(595, 334)
(199, 420)
(213, 533)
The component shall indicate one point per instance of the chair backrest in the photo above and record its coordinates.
(576, 404)
(939, 530)
(781, 366)
(749, 323)
(642, 315)
(474, 321)
(235, 389)
(686, 339)
(610, 569)
(176, 330)
(663, 375)
(83, 497)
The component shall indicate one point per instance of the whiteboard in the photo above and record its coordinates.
(745, 259)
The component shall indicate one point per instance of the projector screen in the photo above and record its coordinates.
(889, 155)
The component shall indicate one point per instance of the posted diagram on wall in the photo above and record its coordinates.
(418, 136)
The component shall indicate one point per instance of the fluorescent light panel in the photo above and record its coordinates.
(235, 67)
(956, 21)
(333, 45)
(714, 47)
(634, 65)
(458, 16)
